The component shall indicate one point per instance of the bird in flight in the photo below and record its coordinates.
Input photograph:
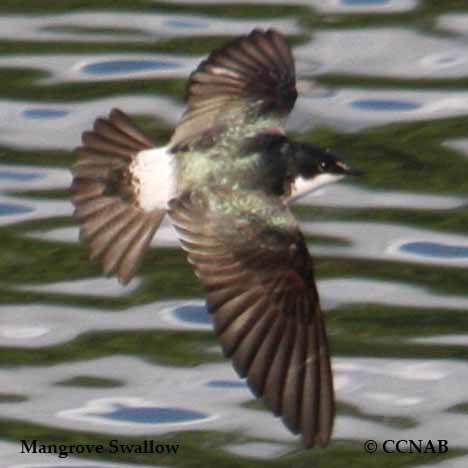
(226, 179)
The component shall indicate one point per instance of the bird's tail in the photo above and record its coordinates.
(105, 193)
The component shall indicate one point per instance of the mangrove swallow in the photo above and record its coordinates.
(226, 179)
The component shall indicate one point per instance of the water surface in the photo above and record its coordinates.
(85, 360)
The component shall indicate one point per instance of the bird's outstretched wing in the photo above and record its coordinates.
(116, 229)
(262, 294)
(250, 77)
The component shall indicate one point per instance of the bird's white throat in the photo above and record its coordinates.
(302, 187)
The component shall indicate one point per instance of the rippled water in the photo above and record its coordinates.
(85, 360)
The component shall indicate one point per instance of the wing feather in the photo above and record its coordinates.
(250, 78)
(266, 312)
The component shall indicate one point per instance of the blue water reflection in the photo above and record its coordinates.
(193, 314)
(44, 113)
(7, 209)
(365, 2)
(20, 176)
(183, 24)
(226, 384)
(385, 105)
(127, 66)
(434, 249)
(151, 415)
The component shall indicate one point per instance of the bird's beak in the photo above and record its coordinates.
(346, 170)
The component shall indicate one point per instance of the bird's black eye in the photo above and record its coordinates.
(323, 166)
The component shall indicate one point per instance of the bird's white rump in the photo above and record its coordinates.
(153, 171)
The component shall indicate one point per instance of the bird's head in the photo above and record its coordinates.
(316, 167)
